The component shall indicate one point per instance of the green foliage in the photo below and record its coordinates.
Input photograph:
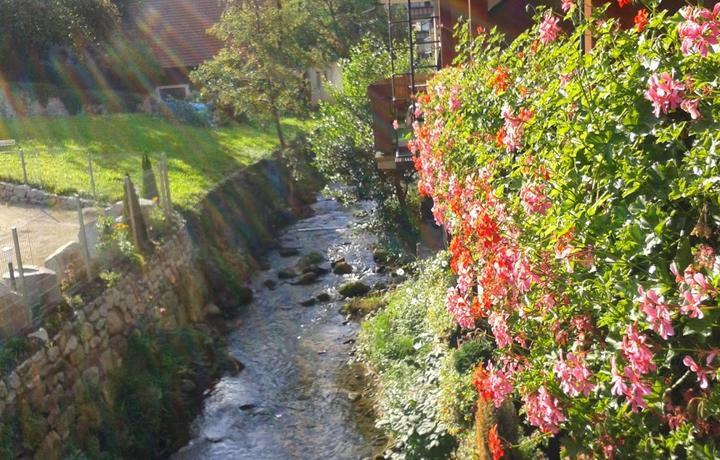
(343, 139)
(110, 278)
(470, 354)
(31, 27)
(403, 347)
(114, 239)
(146, 413)
(12, 352)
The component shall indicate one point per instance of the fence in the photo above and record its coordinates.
(49, 256)
(89, 174)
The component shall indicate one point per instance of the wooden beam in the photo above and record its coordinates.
(587, 13)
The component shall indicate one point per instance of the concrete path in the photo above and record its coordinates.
(41, 230)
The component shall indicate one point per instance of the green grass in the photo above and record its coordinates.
(57, 151)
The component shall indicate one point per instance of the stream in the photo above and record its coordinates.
(288, 403)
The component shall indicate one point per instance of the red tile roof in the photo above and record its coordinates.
(176, 30)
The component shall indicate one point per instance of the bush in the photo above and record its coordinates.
(581, 191)
(403, 345)
(190, 113)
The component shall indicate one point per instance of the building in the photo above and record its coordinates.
(429, 26)
(176, 32)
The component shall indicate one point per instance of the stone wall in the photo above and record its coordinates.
(169, 291)
(24, 194)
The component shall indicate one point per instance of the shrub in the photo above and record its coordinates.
(403, 345)
(581, 191)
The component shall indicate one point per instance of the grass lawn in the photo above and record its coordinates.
(57, 151)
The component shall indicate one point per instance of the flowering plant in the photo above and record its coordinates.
(581, 192)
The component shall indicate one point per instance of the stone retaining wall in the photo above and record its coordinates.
(169, 291)
(24, 194)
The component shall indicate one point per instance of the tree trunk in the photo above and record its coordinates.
(278, 127)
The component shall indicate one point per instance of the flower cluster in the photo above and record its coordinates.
(569, 191)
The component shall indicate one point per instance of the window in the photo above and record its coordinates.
(179, 92)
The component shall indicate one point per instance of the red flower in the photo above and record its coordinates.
(641, 20)
(495, 443)
(624, 3)
(500, 137)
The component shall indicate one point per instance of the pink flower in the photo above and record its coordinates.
(498, 324)
(514, 127)
(534, 199)
(395, 125)
(498, 382)
(543, 411)
(700, 30)
(702, 373)
(691, 107)
(636, 352)
(657, 312)
(567, 4)
(637, 390)
(705, 255)
(574, 375)
(619, 388)
(549, 29)
(693, 289)
(459, 307)
(665, 93)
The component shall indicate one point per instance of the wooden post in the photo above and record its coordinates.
(165, 179)
(18, 258)
(587, 14)
(83, 239)
(130, 212)
(92, 176)
(24, 167)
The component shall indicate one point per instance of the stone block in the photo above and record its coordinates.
(67, 262)
(42, 285)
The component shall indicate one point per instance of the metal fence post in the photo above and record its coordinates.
(83, 239)
(92, 176)
(24, 167)
(21, 270)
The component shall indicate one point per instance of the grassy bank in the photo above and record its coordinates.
(57, 152)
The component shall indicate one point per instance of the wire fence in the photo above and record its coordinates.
(67, 170)
(52, 259)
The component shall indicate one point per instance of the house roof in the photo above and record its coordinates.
(177, 30)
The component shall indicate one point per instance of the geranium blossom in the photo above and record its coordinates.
(543, 411)
(693, 289)
(549, 29)
(514, 127)
(665, 93)
(498, 324)
(657, 312)
(691, 107)
(624, 3)
(495, 444)
(567, 4)
(641, 20)
(494, 384)
(574, 375)
(459, 307)
(700, 30)
(636, 352)
(703, 373)
(534, 199)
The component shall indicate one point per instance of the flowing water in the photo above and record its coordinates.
(287, 403)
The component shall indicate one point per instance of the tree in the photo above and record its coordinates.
(268, 47)
(260, 69)
(150, 188)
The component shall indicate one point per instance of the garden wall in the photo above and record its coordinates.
(24, 194)
(42, 391)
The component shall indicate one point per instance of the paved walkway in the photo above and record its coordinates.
(41, 230)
